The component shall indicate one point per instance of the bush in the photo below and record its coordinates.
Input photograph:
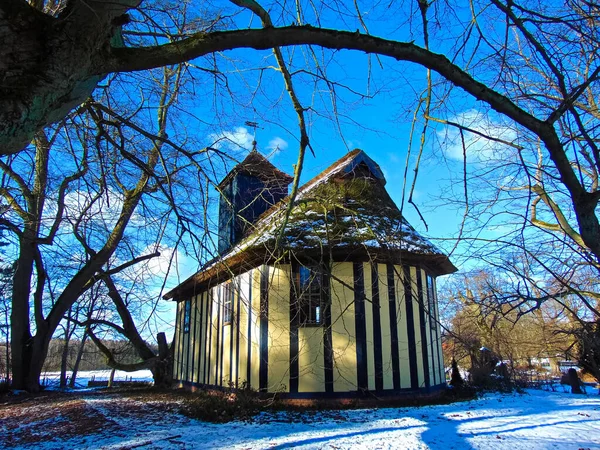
(489, 374)
(456, 380)
(223, 406)
(464, 392)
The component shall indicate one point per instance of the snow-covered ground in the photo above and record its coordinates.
(536, 420)
(52, 379)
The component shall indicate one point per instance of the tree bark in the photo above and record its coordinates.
(78, 360)
(163, 369)
(65, 353)
(21, 339)
(47, 64)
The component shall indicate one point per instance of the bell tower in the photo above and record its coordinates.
(248, 190)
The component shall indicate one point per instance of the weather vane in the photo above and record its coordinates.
(255, 126)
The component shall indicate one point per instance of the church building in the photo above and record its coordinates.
(333, 296)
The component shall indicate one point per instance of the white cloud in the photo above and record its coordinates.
(104, 210)
(238, 138)
(172, 264)
(276, 145)
(479, 149)
(160, 265)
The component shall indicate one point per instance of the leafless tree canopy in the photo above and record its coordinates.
(85, 70)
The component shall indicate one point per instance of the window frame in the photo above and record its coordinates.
(431, 299)
(310, 306)
(187, 316)
(228, 299)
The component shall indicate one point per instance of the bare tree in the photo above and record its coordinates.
(483, 318)
(102, 218)
(531, 69)
(534, 71)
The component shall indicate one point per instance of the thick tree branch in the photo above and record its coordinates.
(129, 264)
(129, 329)
(289, 86)
(110, 358)
(563, 224)
(134, 59)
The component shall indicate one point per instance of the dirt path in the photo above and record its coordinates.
(29, 420)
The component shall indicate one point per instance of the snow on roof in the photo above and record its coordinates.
(344, 207)
(358, 210)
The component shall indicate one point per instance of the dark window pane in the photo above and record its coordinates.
(228, 293)
(187, 316)
(311, 292)
(431, 302)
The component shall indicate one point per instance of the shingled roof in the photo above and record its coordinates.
(345, 210)
(257, 165)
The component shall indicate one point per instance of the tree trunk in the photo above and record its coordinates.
(38, 353)
(64, 359)
(7, 346)
(21, 339)
(47, 64)
(162, 371)
(111, 379)
(574, 381)
(78, 360)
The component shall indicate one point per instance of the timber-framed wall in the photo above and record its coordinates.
(379, 334)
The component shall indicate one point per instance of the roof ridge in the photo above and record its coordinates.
(256, 158)
(374, 230)
(323, 175)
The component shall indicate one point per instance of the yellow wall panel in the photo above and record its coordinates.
(197, 338)
(279, 328)
(203, 337)
(193, 340)
(369, 326)
(441, 364)
(431, 351)
(417, 321)
(343, 331)
(386, 334)
(234, 327)
(226, 330)
(189, 342)
(255, 331)
(207, 332)
(401, 316)
(431, 344)
(311, 360)
(214, 372)
(244, 281)
(186, 351)
(177, 341)
(181, 344)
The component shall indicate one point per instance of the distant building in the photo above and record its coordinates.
(341, 304)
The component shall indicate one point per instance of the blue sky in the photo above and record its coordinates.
(375, 101)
